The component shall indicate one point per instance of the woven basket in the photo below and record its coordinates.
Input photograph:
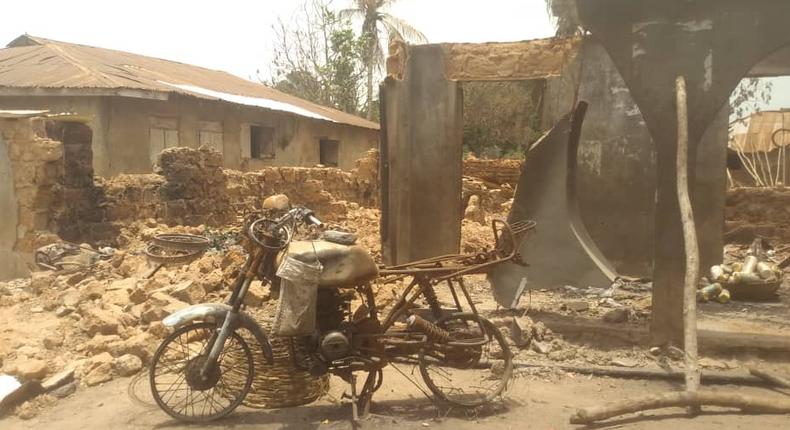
(280, 384)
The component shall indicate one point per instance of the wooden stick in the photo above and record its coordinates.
(711, 377)
(690, 244)
(775, 379)
(746, 403)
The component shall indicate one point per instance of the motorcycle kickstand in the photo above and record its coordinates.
(354, 406)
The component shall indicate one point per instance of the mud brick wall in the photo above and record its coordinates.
(751, 212)
(36, 163)
(494, 171)
(191, 188)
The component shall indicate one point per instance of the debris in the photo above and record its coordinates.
(29, 369)
(521, 331)
(64, 391)
(624, 362)
(577, 306)
(128, 365)
(619, 315)
(189, 291)
(99, 321)
(19, 395)
(257, 294)
(8, 384)
(541, 347)
(99, 374)
(58, 380)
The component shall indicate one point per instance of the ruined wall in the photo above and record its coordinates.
(752, 212)
(31, 169)
(191, 188)
(493, 171)
(91, 109)
(121, 131)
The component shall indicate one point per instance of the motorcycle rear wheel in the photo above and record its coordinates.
(176, 381)
(467, 376)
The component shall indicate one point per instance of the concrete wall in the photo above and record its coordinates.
(121, 130)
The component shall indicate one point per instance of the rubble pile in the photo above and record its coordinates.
(482, 198)
(104, 322)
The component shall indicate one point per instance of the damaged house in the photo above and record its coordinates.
(136, 106)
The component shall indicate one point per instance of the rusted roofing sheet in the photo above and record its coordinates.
(34, 62)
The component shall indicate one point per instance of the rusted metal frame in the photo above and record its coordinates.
(402, 303)
(455, 295)
(433, 260)
(468, 296)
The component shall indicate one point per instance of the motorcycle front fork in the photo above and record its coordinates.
(217, 341)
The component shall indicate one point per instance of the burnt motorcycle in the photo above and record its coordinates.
(462, 358)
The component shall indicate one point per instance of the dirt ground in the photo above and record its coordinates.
(84, 320)
(530, 403)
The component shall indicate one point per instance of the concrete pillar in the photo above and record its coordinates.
(713, 44)
(421, 167)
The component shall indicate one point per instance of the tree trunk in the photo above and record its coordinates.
(369, 97)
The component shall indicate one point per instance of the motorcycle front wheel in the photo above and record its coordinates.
(186, 393)
(472, 367)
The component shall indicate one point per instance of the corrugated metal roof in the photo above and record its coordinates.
(34, 62)
(756, 133)
(21, 113)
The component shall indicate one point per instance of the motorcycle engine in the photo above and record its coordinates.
(335, 345)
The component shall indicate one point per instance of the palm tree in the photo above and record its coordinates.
(377, 26)
(566, 16)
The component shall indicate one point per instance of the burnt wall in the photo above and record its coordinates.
(617, 165)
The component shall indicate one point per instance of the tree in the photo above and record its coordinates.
(566, 17)
(501, 119)
(749, 97)
(317, 57)
(376, 26)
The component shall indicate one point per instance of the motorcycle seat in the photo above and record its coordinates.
(344, 266)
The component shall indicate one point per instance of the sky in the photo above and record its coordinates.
(235, 35)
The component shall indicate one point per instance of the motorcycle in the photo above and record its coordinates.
(203, 370)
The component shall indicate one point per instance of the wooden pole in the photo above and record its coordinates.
(746, 403)
(690, 244)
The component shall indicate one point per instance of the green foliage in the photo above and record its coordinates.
(565, 16)
(749, 97)
(378, 26)
(317, 57)
(501, 119)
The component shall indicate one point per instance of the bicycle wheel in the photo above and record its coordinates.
(175, 376)
(470, 369)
